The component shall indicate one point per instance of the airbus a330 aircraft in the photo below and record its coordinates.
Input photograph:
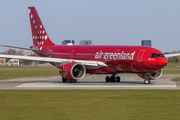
(74, 61)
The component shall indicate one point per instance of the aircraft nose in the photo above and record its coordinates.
(163, 62)
(159, 63)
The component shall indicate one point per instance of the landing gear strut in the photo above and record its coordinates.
(113, 78)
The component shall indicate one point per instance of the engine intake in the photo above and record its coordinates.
(153, 75)
(72, 71)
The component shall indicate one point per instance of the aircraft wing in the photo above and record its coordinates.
(172, 55)
(58, 61)
(19, 47)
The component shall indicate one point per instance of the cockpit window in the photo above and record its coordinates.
(157, 55)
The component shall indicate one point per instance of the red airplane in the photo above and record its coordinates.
(74, 61)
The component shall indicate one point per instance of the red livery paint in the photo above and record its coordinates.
(39, 34)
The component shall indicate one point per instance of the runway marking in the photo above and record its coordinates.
(62, 85)
(39, 79)
(49, 78)
(134, 79)
(88, 77)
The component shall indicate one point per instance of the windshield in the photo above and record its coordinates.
(157, 55)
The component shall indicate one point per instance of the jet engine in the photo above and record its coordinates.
(152, 76)
(72, 71)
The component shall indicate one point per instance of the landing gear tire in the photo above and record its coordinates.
(107, 78)
(118, 79)
(112, 79)
(74, 81)
(69, 81)
(64, 80)
(147, 81)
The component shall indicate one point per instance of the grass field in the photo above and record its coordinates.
(176, 79)
(18, 72)
(173, 64)
(89, 104)
(171, 71)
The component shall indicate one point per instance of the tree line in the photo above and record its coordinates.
(174, 59)
(19, 52)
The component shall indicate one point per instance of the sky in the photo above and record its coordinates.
(105, 22)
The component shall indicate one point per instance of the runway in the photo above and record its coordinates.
(128, 81)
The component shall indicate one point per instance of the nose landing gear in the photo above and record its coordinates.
(147, 79)
(113, 78)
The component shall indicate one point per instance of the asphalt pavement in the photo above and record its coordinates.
(128, 81)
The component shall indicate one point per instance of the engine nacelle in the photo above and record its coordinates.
(72, 71)
(153, 75)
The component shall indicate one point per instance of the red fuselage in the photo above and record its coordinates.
(119, 59)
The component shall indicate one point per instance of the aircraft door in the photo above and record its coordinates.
(140, 55)
(72, 54)
(47, 50)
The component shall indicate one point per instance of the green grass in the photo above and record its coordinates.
(171, 68)
(18, 72)
(173, 64)
(89, 104)
(171, 71)
(176, 79)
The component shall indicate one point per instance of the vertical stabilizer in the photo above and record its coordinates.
(39, 34)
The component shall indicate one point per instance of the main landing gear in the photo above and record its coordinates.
(64, 80)
(113, 78)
